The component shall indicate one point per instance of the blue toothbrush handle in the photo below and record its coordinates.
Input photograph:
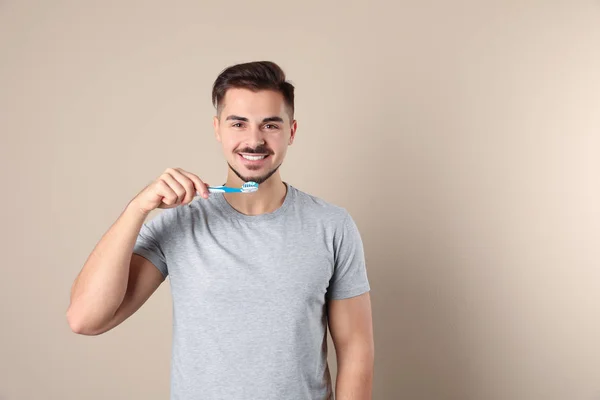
(223, 189)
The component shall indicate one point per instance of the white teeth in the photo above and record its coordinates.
(253, 158)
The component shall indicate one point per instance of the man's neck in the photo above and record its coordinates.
(268, 198)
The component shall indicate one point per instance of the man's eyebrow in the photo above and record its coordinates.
(273, 119)
(244, 119)
(236, 118)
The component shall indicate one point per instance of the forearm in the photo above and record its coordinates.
(100, 287)
(354, 374)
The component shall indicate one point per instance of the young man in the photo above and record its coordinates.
(255, 277)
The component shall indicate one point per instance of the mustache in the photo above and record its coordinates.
(258, 150)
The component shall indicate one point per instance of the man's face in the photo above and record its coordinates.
(254, 129)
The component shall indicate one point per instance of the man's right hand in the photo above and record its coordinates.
(173, 188)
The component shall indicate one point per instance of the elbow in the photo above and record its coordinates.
(79, 325)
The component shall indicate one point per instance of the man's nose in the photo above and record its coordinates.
(255, 138)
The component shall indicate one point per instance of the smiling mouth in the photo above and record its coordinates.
(254, 157)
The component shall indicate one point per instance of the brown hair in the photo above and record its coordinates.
(255, 76)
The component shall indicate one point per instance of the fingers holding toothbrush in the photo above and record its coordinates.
(174, 187)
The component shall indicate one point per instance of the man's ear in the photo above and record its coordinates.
(293, 128)
(216, 127)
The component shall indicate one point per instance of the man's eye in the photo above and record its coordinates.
(271, 126)
(237, 125)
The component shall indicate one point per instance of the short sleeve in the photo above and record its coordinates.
(350, 275)
(149, 244)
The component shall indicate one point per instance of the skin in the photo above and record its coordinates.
(254, 123)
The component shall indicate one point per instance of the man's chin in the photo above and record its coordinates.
(253, 175)
(258, 179)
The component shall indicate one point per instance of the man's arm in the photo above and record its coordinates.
(113, 283)
(351, 327)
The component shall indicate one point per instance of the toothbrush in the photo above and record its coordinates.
(247, 187)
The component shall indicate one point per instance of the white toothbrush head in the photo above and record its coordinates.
(249, 187)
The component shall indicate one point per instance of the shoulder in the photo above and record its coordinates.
(316, 207)
(160, 220)
(172, 219)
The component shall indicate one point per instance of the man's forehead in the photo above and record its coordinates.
(254, 105)
(236, 95)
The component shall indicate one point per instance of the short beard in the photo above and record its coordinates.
(259, 179)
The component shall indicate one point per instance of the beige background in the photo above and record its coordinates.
(463, 137)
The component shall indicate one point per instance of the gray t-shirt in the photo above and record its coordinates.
(250, 292)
